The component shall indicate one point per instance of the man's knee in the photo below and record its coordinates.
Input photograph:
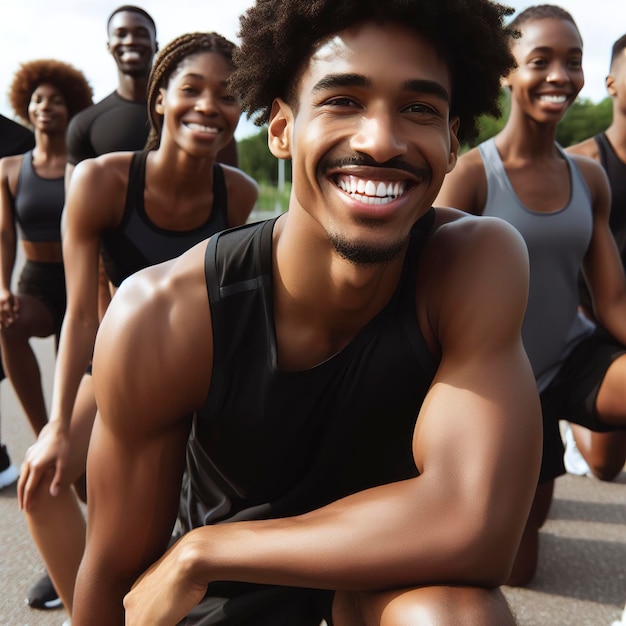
(432, 606)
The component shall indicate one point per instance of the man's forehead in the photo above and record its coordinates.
(365, 49)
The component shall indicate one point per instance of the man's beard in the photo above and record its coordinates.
(366, 253)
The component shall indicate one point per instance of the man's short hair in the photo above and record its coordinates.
(616, 51)
(133, 9)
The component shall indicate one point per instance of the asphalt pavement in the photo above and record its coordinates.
(582, 567)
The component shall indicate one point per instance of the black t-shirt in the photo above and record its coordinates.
(111, 125)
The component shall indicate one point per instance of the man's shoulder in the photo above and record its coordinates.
(462, 238)
(587, 148)
(91, 112)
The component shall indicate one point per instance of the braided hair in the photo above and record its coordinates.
(168, 61)
(70, 81)
(278, 37)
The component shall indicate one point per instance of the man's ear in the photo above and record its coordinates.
(279, 129)
(454, 142)
(610, 85)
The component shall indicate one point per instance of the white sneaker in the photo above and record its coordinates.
(574, 461)
(8, 476)
(621, 622)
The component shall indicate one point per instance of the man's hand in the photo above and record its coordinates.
(165, 593)
(47, 456)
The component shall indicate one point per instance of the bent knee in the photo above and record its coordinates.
(432, 606)
(42, 503)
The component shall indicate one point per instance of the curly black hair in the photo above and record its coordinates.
(70, 81)
(166, 63)
(278, 36)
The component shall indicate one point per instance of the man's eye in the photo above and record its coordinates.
(340, 102)
(418, 107)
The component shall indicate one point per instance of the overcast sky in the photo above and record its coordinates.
(75, 31)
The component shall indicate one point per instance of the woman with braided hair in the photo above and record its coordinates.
(140, 209)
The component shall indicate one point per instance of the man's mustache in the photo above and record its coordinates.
(365, 161)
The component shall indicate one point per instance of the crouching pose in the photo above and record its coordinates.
(346, 384)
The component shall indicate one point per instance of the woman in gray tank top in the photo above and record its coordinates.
(560, 204)
(46, 94)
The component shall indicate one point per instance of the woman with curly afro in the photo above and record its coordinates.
(46, 94)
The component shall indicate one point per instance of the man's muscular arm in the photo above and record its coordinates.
(151, 370)
(461, 519)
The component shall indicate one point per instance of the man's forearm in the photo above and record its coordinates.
(376, 539)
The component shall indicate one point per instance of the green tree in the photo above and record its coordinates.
(256, 160)
(584, 119)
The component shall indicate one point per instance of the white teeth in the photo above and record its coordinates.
(553, 99)
(370, 188)
(369, 191)
(130, 55)
(201, 128)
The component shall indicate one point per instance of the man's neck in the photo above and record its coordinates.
(134, 88)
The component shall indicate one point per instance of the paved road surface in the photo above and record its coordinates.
(582, 570)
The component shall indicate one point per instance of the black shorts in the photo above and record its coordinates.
(46, 282)
(247, 604)
(572, 396)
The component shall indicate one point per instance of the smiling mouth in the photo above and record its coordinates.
(213, 130)
(371, 191)
(552, 99)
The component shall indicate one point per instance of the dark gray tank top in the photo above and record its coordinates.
(557, 243)
(38, 204)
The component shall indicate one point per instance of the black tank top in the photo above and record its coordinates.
(38, 203)
(616, 171)
(271, 443)
(137, 243)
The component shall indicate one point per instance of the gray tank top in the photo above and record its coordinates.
(557, 243)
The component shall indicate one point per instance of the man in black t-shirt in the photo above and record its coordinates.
(119, 121)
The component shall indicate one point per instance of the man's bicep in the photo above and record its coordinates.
(481, 420)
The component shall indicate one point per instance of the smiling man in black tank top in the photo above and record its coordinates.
(347, 382)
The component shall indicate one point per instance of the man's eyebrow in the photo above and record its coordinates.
(331, 81)
(358, 80)
(427, 87)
